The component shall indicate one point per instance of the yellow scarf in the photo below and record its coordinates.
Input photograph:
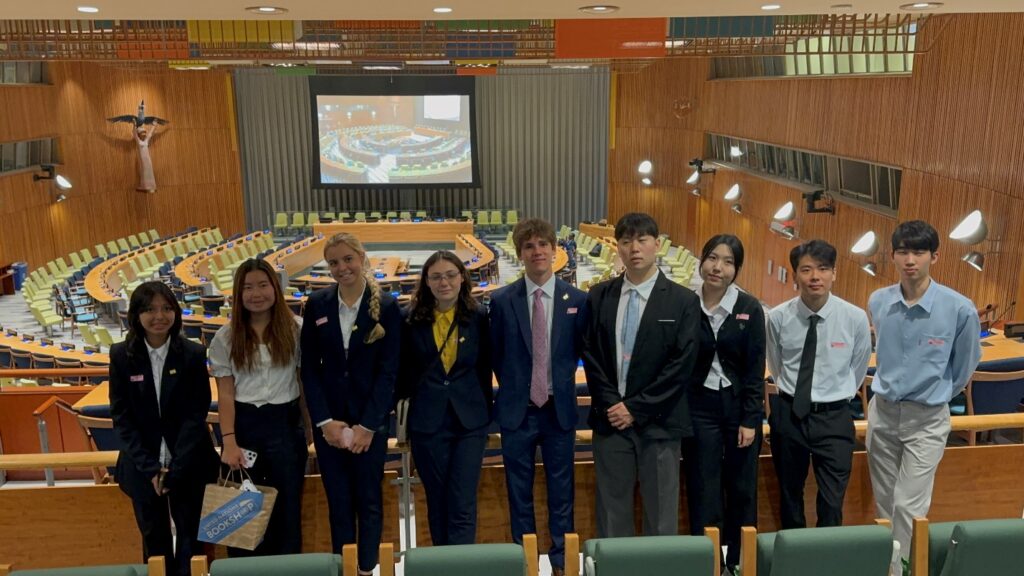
(442, 322)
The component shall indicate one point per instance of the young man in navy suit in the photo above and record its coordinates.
(639, 352)
(537, 324)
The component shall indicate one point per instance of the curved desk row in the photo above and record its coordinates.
(102, 282)
(195, 271)
(18, 344)
(397, 232)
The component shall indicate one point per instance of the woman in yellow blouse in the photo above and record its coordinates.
(446, 374)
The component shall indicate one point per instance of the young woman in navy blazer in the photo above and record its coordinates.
(350, 338)
(726, 399)
(159, 399)
(446, 374)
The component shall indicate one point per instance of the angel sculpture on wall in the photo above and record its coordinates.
(142, 136)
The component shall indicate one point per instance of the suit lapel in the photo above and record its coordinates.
(609, 311)
(650, 315)
(142, 366)
(558, 314)
(522, 314)
(169, 378)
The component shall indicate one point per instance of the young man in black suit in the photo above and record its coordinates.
(537, 326)
(639, 353)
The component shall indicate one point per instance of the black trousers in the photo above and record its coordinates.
(823, 439)
(721, 478)
(153, 516)
(449, 462)
(276, 434)
(352, 483)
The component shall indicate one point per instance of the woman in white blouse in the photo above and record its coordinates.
(255, 360)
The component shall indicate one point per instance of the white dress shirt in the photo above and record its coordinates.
(643, 290)
(265, 383)
(548, 301)
(347, 315)
(157, 358)
(842, 353)
(716, 379)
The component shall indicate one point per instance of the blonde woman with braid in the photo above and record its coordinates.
(350, 340)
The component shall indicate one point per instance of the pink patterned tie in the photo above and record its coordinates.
(539, 327)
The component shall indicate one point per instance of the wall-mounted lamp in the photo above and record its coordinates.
(970, 230)
(695, 192)
(698, 169)
(975, 260)
(786, 212)
(646, 181)
(733, 193)
(870, 269)
(50, 173)
(737, 208)
(645, 167)
(866, 245)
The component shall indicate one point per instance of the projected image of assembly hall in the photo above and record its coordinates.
(394, 139)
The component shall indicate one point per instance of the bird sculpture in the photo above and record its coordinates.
(139, 119)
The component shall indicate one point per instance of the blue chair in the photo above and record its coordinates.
(993, 393)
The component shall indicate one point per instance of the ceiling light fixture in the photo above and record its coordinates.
(841, 6)
(599, 9)
(645, 167)
(694, 178)
(381, 67)
(733, 193)
(442, 10)
(646, 181)
(266, 10)
(866, 245)
(88, 9)
(971, 229)
(735, 151)
(50, 173)
(770, 6)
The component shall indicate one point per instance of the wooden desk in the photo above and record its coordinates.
(596, 230)
(299, 255)
(193, 269)
(397, 232)
(102, 282)
(99, 395)
(36, 347)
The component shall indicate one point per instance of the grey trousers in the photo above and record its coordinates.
(905, 442)
(619, 460)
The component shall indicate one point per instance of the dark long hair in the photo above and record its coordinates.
(141, 300)
(421, 307)
(733, 243)
(280, 334)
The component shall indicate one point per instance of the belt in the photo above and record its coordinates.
(818, 406)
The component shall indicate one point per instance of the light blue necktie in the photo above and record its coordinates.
(630, 323)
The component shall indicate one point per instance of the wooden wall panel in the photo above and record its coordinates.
(195, 158)
(955, 127)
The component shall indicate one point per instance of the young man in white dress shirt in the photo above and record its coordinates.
(818, 351)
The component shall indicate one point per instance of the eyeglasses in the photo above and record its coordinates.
(449, 276)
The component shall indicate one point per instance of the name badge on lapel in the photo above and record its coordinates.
(138, 378)
(743, 316)
(571, 311)
(321, 321)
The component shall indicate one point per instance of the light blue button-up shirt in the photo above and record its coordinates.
(927, 352)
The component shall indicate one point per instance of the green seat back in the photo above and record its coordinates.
(313, 564)
(939, 535)
(466, 560)
(837, 551)
(121, 570)
(654, 556)
(986, 547)
(765, 549)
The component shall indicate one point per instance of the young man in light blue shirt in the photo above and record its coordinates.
(927, 343)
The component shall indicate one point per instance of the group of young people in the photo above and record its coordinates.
(673, 374)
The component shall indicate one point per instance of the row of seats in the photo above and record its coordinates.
(302, 222)
(224, 263)
(492, 219)
(966, 548)
(152, 264)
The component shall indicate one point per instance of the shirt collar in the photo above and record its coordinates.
(548, 288)
(160, 352)
(728, 301)
(926, 301)
(644, 288)
(355, 306)
(824, 313)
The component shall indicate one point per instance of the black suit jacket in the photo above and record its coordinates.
(357, 387)
(664, 355)
(180, 419)
(741, 349)
(467, 386)
(512, 338)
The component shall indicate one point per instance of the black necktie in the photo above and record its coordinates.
(802, 398)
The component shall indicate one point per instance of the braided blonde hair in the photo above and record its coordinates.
(374, 304)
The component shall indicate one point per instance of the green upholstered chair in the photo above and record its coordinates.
(658, 555)
(837, 551)
(977, 547)
(317, 564)
(466, 560)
